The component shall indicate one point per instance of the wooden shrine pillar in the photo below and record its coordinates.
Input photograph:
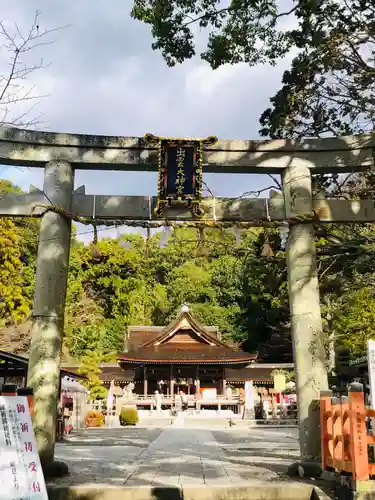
(197, 381)
(171, 384)
(145, 381)
(197, 389)
(224, 382)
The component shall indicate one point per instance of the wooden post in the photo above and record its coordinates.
(224, 382)
(197, 390)
(358, 433)
(304, 303)
(326, 428)
(198, 382)
(171, 384)
(338, 450)
(273, 404)
(145, 381)
(345, 429)
(49, 306)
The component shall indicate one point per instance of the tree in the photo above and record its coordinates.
(354, 319)
(109, 289)
(330, 88)
(90, 368)
(18, 100)
(27, 229)
(14, 305)
(18, 242)
(264, 301)
(244, 31)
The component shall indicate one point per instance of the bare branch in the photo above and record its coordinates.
(328, 267)
(14, 91)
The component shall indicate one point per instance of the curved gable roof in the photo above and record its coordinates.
(184, 321)
(169, 347)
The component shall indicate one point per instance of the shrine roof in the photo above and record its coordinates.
(15, 365)
(185, 340)
(140, 335)
(176, 353)
(109, 372)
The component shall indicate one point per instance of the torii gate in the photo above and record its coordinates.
(60, 154)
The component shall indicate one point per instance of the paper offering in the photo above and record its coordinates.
(21, 475)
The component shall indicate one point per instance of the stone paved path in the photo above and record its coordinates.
(183, 457)
(177, 456)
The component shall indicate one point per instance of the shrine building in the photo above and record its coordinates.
(183, 356)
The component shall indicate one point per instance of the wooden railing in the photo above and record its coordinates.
(344, 438)
(149, 400)
(177, 397)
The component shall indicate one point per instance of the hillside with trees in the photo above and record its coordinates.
(235, 283)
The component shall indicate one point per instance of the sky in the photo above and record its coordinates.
(102, 77)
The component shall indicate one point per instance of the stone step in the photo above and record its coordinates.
(264, 423)
(217, 422)
(254, 490)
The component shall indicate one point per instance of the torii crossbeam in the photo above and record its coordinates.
(256, 211)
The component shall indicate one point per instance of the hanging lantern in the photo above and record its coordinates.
(164, 236)
(201, 250)
(284, 235)
(95, 252)
(266, 249)
(180, 172)
(237, 235)
(123, 244)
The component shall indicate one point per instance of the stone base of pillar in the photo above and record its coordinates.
(55, 470)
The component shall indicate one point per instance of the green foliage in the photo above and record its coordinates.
(329, 88)
(94, 414)
(355, 321)
(241, 32)
(18, 244)
(90, 368)
(14, 303)
(226, 284)
(115, 287)
(128, 416)
(265, 306)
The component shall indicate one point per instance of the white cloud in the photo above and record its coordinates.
(203, 82)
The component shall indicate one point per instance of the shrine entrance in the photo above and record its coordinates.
(180, 164)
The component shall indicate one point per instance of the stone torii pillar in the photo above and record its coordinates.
(49, 306)
(304, 303)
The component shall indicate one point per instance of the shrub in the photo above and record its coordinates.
(95, 414)
(129, 416)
